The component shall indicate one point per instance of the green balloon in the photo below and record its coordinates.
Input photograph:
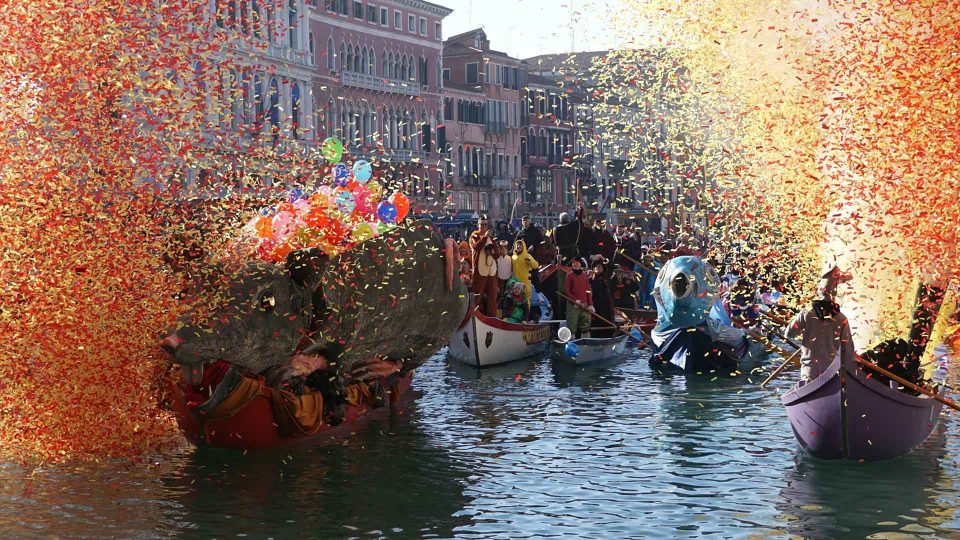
(332, 149)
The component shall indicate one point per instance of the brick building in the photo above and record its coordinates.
(549, 178)
(482, 120)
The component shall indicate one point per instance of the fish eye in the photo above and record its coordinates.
(267, 301)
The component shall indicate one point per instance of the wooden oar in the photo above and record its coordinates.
(634, 261)
(774, 318)
(780, 368)
(766, 343)
(597, 315)
(789, 341)
(908, 384)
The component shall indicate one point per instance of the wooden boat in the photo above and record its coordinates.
(593, 350)
(844, 413)
(487, 341)
(254, 422)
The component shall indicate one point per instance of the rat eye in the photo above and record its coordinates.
(267, 301)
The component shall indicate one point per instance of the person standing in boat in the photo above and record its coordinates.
(577, 287)
(524, 267)
(485, 286)
(504, 266)
(532, 236)
(822, 328)
(602, 299)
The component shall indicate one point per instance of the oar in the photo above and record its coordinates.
(766, 343)
(908, 384)
(634, 261)
(597, 315)
(780, 368)
(775, 319)
(789, 341)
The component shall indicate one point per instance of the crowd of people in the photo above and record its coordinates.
(611, 268)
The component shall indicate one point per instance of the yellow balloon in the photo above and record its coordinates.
(362, 232)
(375, 189)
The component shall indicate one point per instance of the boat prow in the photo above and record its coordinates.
(487, 341)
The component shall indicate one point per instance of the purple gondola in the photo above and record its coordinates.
(844, 413)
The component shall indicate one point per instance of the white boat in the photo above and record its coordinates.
(593, 349)
(487, 341)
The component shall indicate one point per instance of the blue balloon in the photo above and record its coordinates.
(387, 212)
(341, 175)
(345, 201)
(635, 334)
(572, 350)
(295, 195)
(362, 171)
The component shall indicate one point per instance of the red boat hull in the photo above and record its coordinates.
(254, 427)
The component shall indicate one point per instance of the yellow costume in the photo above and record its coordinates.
(523, 264)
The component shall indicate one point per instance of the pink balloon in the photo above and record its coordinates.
(283, 226)
(365, 202)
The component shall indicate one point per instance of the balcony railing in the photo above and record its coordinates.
(477, 181)
(503, 183)
(372, 82)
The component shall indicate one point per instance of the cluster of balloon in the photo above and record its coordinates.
(333, 217)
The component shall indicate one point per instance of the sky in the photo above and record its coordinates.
(525, 28)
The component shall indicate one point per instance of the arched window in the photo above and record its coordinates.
(461, 164)
(331, 56)
(356, 59)
(255, 18)
(404, 69)
(295, 110)
(344, 59)
(395, 60)
(383, 64)
(543, 143)
(372, 63)
(274, 111)
(363, 60)
(292, 28)
(313, 49)
(257, 100)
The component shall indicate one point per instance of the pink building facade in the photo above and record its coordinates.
(483, 117)
(377, 86)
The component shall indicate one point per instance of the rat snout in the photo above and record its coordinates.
(171, 343)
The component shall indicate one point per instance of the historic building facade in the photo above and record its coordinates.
(482, 119)
(377, 86)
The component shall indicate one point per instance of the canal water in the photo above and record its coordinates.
(532, 449)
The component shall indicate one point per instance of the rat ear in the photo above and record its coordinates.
(306, 266)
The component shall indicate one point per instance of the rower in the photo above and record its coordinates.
(822, 328)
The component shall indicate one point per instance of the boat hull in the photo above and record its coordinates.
(482, 341)
(844, 414)
(593, 350)
(254, 427)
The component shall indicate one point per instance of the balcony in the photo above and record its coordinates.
(477, 181)
(503, 183)
(372, 82)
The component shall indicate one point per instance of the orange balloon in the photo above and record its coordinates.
(264, 227)
(402, 203)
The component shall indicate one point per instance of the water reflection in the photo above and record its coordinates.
(879, 500)
(530, 449)
(389, 479)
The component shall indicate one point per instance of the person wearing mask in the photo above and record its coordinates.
(485, 284)
(822, 329)
(604, 242)
(580, 305)
(524, 266)
(466, 263)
